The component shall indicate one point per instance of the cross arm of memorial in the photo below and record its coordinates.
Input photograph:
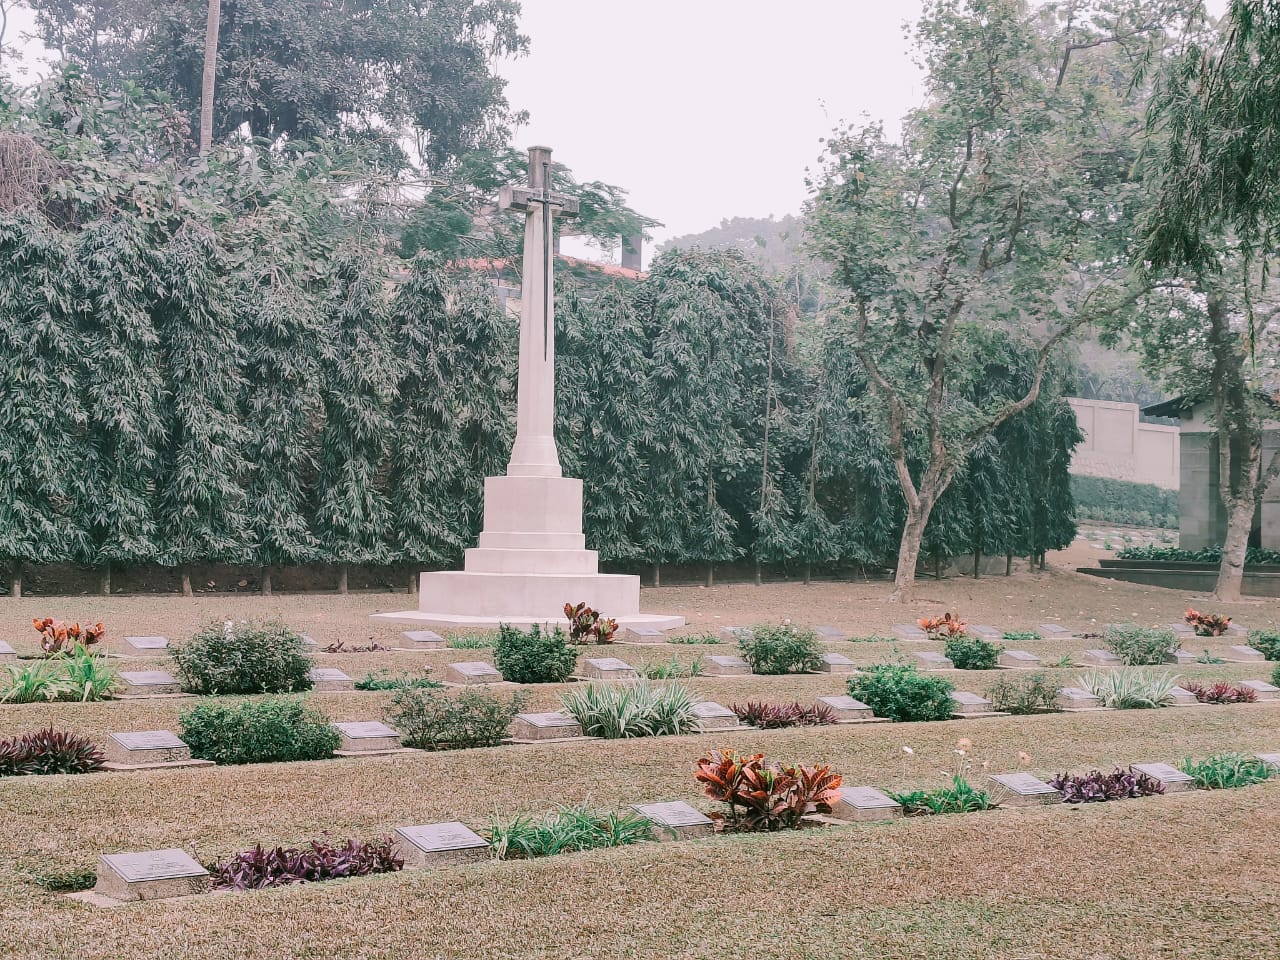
(525, 199)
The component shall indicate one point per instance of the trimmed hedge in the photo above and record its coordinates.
(1120, 501)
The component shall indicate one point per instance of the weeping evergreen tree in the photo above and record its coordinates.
(352, 514)
(124, 393)
(201, 503)
(609, 417)
(815, 539)
(450, 418)
(42, 463)
(280, 333)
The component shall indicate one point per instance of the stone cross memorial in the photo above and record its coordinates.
(532, 556)
(675, 820)
(438, 844)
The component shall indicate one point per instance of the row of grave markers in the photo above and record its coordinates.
(162, 874)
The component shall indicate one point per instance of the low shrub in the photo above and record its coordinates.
(317, 861)
(80, 675)
(1220, 692)
(973, 653)
(696, 638)
(1254, 555)
(1097, 787)
(268, 730)
(70, 880)
(671, 669)
(780, 649)
(763, 795)
(1130, 688)
(469, 641)
(386, 680)
(1021, 636)
(340, 646)
(943, 627)
(1227, 770)
(1122, 501)
(960, 797)
(533, 655)
(1275, 676)
(565, 830)
(617, 711)
(433, 720)
(1266, 641)
(588, 626)
(771, 716)
(57, 637)
(244, 657)
(1024, 694)
(1207, 624)
(901, 692)
(1139, 646)
(48, 751)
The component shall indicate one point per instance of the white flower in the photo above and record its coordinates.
(908, 750)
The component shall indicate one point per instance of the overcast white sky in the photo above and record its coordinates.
(704, 109)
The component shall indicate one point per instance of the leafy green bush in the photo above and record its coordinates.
(1121, 501)
(565, 830)
(469, 641)
(960, 797)
(1267, 641)
(968, 652)
(1226, 770)
(1275, 676)
(1130, 689)
(1253, 555)
(617, 711)
(534, 655)
(386, 680)
(901, 692)
(266, 730)
(671, 669)
(1139, 646)
(1024, 694)
(433, 720)
(696, 638)
(780, 649)
(246, 657)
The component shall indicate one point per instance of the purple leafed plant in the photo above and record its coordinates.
(320, 860)
(769, 716)
(1220, 692)
(1097, 787)
(48, 751)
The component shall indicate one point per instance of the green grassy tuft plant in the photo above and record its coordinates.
(1024, 694)
(79, 675)
(969, 652)
(1021, 636)
(696, 638)
(386, 680)
(266, 730)
(1139, 646)
(780, 649)
(470, 641)
(671, 669)
(960, 797)
(534, 655)
(901, 692)
(565, 830)
(1130, 688)
(1227, 770)
(434, 720)
(246, 657)
(617, 711)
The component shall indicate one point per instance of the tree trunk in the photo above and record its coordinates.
(210, 72)
(759, 575)
(413, 583)
(104, 581)
(977, 564)
(937, 566)
(808, 572)
(342, 579)
(1008, 564)
(264, 581)
(904, 577)
(186, 583)
(711, 574)
(1234, 548)
(15, 580)
(657, 574)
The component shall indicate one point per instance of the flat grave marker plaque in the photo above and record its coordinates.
(532, 727)
(1264, 690)
(831, 634)
(908, 631)
(309, 641)
(7, 652)
(148, 683)
(641, 635)
(984, 631)
(934, 661)
(147, 748)
(1174, 780)
(734, 634)
(608, 668)
(469, 672)
(1244, 654)
(1024, 790)
(865, 803)
(708, 716)
(330, 680)
(150, 875)
(1053, 631)
(367, 736)
(725, 666)
(146, 644)
(964, 703)
(1076, 698)
(846, 708)
(1270, 759)
(439, 844)
(424, 640)
(1180, 697)
(675, 820)
(1101, 658)
(1018, 660)
(835, 663)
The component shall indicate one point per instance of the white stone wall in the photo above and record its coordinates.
(1119, 446)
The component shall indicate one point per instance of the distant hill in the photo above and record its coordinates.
(772, 243)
